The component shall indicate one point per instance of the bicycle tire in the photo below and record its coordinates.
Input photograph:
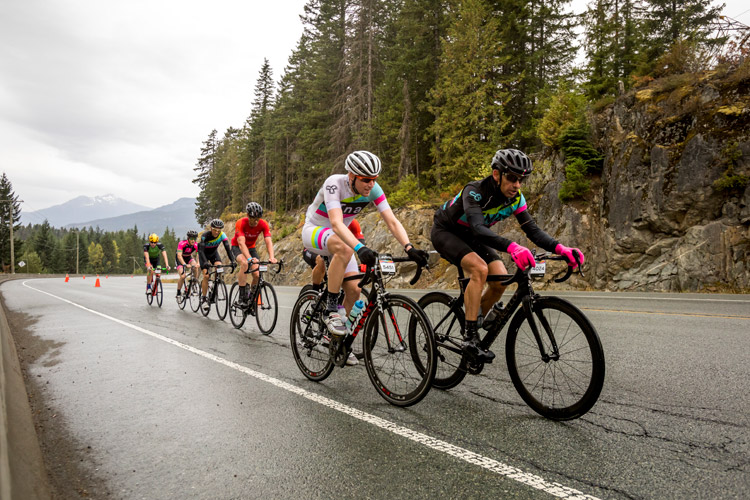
(266, 308)
(159, 293)
(237, 314)
(150, 293)
(221, 300)
(195, 296)
(206, 305)
(308, 339)
(305, 289)
(569, 387)
(402, 374)
(451, 362)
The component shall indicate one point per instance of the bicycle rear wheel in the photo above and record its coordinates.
(195, 296)
(309, 338)
(206, 304)
(400, 363)
(237, 314)
(448, 327)
(569, 386)
(221, 300)
(266, 309)
(159, 293)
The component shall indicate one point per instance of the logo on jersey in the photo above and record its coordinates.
(351, 210)
(331, 189)
(475, 195)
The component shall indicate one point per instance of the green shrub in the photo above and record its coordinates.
(575, 184)
(407, 191)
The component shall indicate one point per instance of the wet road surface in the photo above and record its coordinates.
(170, 404)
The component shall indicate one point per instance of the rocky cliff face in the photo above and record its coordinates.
(654, 219)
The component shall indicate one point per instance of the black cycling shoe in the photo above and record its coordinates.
(471, 347)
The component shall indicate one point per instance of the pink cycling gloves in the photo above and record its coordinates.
(568, 254)
(521, 256)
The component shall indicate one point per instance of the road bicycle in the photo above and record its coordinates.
(190, 289)
(216, 293)
(364, 296)
(260, 302)
(399, 345)
(554, 356)
(156, 290)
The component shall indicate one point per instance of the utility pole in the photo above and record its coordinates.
(12, 249)
(78, 235)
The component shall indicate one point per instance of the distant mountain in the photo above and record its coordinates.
(179, 216)
(80, 209)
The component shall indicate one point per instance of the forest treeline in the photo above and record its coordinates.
(435, 86)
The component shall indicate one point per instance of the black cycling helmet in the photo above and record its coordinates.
(512, 160)
(217, 223)
(254, 210)
(192, 234)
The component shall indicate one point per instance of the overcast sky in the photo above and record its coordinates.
(98, 96)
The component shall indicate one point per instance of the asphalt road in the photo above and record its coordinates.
(165, 403)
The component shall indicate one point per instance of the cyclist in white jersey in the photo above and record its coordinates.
(339, 201)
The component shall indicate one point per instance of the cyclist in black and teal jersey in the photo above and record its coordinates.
(151, 257)
(208, 250)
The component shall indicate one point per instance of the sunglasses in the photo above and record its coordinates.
(366, 180)
(513, 178)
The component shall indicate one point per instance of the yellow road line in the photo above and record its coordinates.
(666, 313)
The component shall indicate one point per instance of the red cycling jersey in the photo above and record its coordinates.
(251, 233)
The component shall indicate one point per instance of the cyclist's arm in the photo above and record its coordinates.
(242, 244)
(269, 247)
(228, 249)
(180, 259)
(148, 261)
(336, 216)
(164, 254)
(395, 226)
(535, 233)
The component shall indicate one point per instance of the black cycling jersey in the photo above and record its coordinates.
(208, 247)
(480, 205)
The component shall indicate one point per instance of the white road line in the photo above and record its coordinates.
(532, 480)
(652, 299)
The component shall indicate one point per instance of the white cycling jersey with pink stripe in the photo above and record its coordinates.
(337, 193)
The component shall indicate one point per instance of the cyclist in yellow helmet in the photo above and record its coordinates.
(151, 257)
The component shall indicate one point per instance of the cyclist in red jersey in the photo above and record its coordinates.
(246, 233)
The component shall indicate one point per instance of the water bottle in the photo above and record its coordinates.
(357, 309)
(494, 313)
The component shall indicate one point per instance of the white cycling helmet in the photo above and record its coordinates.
(363, 163)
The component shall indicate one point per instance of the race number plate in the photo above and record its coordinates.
(263, 267)
(157, 271)
(387, 265)
(539, 269)
(219, 270)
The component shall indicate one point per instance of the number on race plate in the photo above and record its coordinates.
(219, 270)
(386, 264)
(263, 268)
(539, 269)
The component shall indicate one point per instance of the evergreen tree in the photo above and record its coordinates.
(203, 169)
(668, 21)
(9, 206)
(467, 100)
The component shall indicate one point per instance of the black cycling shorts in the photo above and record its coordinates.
(310, 258)
(237, 252)
(454, 245)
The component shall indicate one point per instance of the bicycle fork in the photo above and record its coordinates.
(531, 311)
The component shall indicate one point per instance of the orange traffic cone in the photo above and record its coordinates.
(67, 278)
(97, 284)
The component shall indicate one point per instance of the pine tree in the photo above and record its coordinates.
(203, 169)
(9, 206)
(467, 100)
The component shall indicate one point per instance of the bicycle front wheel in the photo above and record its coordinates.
(183, 297)
(448, 327)
(150, 293)
(400, 362)
(308, 336)
(237, 314)
(159, 293)
(266, 309)
(564, 387)
(221, 300)
(195, 296)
